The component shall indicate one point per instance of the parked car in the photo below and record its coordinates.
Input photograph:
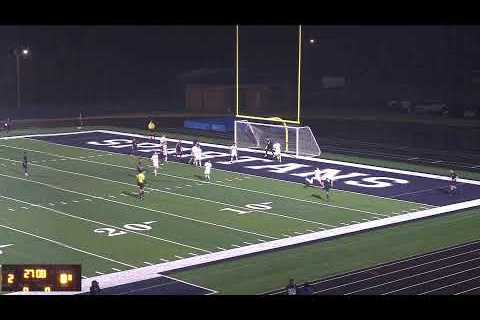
(431, 107)
(400, 105)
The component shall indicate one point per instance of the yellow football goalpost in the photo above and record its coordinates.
(299, 83)
(299, 87)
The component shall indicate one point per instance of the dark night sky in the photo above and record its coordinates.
(117, 64)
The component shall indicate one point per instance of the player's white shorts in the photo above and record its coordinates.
(156, 165)
(234, 154)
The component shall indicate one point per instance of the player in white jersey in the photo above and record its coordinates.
(317, 176)
(208, 168)
(277, 151)
(193, 151)
(197, 157)
(164, 150)
(233, 152)
(155, 162)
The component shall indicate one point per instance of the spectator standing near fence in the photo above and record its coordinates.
(80, 121)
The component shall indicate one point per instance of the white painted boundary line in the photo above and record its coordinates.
(183, 178)
(145, 273)
(47, 135)
(349, 164)
(131, 205)
(244, 175)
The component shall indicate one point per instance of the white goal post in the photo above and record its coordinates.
(297, 140)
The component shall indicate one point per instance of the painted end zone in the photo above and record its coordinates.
(388, 183)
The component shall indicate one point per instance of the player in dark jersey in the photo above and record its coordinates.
(453, 182)
(140, 167)
(178, 149)
(8, 125)
(80, 121)
(268, 148)
(291, 288)
(25, 164)
(134, 146)
(327, 185)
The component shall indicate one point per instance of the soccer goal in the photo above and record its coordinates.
(297, 140)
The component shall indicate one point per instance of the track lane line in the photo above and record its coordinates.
(388, 264)
(399, 270)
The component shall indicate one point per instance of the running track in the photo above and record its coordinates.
(451, 271)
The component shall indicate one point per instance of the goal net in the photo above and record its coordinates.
(299, 141)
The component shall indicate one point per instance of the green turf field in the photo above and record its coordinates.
(80, 206)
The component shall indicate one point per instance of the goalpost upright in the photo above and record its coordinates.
(252, 133)
(237, 82)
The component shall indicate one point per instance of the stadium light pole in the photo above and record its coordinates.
(20, 53)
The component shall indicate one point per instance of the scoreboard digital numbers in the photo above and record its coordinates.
(46, 278)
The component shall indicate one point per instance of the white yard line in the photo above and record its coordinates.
(244, 175)
(138, 207)
(104, 224)
(177, 194)
(67, 246)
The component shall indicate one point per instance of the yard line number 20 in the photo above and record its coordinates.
(111, 232)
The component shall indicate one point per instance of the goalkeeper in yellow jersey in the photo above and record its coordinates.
(141, 184)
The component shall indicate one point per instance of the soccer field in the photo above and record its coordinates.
(79, 206)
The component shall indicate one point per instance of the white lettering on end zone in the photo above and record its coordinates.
(283, 168)
(280, 168)
(375, 182)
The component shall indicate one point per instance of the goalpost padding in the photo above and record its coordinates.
(295, 140)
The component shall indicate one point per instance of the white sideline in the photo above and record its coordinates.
(244, 175)
(150, 272)
(189, 179)
(47, 135)
(349, 164)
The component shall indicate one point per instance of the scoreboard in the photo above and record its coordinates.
(46, 278)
